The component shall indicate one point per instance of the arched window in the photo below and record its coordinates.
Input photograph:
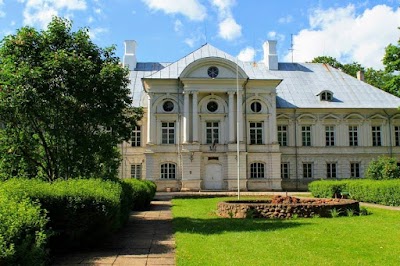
(326, 96)
(257, 170)
(168, 171)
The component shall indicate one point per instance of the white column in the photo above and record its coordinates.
(272, 118)
(185, 137)
(150, 118)
(231, 117)
(195, 118)
(240, 115)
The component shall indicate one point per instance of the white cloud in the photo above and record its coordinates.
(347, 36)
(2, 14)
(40, 12)
(94, 33)
(247, 54)
(285, 20)
(178, 25)
(195, 38)
(189, 8)
(229, 29)
(273, 35)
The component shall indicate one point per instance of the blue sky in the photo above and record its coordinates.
(167, 30)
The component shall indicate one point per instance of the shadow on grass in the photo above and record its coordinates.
(221, 225)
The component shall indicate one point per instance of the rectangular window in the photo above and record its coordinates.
(282, 135)
(285, 170)
(256, 132)
(353, 135)
(168, 171)
(257, 170)
(331, 170)
(168, 132)
(135, 139)
(376, 136)
(306, 135)
(354, 169)
(397, 135)
(212, 132)
(136, 171)
(330, 136)
(307, 170)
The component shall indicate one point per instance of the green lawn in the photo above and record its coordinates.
(202, 238)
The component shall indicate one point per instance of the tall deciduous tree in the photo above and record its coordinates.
(391, 60)
(64, 105)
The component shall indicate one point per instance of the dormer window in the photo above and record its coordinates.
(326, 96)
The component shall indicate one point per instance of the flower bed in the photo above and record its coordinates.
(287, 207)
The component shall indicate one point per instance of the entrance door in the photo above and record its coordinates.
(213, 178)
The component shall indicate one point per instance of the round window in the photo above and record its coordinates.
(255, 107)
(168, 106)
(212, 106)
(213, 72)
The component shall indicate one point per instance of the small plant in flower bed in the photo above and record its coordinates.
(141, 193)
(23, 234)
(81, 211)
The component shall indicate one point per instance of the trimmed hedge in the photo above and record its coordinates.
(81, 211)
(141, 193)
(386, 192)
(23, 235)
(327, 188)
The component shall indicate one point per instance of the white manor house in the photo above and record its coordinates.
(295, 122)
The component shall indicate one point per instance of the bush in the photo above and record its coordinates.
(23, 234)
(141, 193)
(383, 168)
(327, 188)
(81, 211)
(386, 192)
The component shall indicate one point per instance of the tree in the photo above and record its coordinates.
(383, 168)
(64, 105)
(328, 60)
(391, 61)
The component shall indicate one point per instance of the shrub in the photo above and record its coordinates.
(142, 193)
(383, 168)
(23, 234)
(81, 211)
(385, 192)
(327, 188)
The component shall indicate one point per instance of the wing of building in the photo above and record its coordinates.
(209, 117)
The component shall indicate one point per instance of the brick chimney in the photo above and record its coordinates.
(360, 75)
(130, 54)
(270, 56)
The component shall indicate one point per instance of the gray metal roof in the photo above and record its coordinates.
(300, 86)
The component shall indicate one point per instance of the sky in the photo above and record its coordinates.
(167, 30)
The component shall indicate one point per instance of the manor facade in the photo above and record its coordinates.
(209, 116)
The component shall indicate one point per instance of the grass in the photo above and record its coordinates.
(203, 238)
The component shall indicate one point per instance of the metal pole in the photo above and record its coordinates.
(237, 130)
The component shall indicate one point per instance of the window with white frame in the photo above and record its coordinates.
(307, 170)
(306, 135)
(376, 136)
(168, 171)
(168, 132)
(136, 137)
(256, 132)
(397, 135)
(257, 170)
(353, 135)
(212, 132)
(136, 171)
(331, 170)
(330, 135)
(282, 135)
(285, 170)
(354, 169)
